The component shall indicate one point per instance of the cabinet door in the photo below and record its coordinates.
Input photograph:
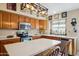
(33, 23)
(5, 20)
(27, 19)
(21, 18)
(41, 24)
(45, 24)
(0, 20)
(37, 24)
(14, 21)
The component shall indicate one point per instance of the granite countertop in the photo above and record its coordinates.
(5, 38)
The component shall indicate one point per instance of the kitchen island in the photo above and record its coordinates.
(5, 41)
(72, 46)
(30, 48)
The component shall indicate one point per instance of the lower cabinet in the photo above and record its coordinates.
(72, 46)
(36, 37)
(3, 51)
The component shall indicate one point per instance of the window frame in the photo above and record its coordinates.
(58, 23)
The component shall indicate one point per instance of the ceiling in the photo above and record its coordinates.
(54, 8)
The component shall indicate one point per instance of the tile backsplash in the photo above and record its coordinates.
(5, 33)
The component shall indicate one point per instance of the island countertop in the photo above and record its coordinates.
(30, 48)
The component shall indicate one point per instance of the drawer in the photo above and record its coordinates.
(36, 37)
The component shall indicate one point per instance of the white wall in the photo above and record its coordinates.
(72, 14)
(4, 33)
(70, 32)
(69, 27)
(2, 6)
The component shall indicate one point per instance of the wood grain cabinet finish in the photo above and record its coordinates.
(33, 23)
(42, 25)
(21, 18)
(37, 24)
(9, 41)
(5, 20)
(36, 37)
(45, 24)
(11, 21)
(0, 20)
(14, 21)
(27, 20)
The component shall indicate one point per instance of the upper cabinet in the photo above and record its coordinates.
(0, 19)
(14, 21)
(45, 24)
(21, 18)
(33, 23)
(42, 25)
(5, 20)
(37, 24)
(27, 19)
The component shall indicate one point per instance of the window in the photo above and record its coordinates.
(59, 26)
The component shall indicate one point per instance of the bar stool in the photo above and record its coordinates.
(64, 48)
(61, 50)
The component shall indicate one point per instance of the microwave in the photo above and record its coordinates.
(24, 26)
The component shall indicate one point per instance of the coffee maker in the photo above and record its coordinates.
(23, 34)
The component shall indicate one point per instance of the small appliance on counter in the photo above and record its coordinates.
(23, 32)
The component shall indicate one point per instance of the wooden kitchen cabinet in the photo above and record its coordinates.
(11, 21)
(14, 21)
(0, 20)
(27, 20)
(37, 24)
(36, 37)
(5, 20)
(9, 41)
(42, 25)
(45, 24)
(33, 23)
(21, 18)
